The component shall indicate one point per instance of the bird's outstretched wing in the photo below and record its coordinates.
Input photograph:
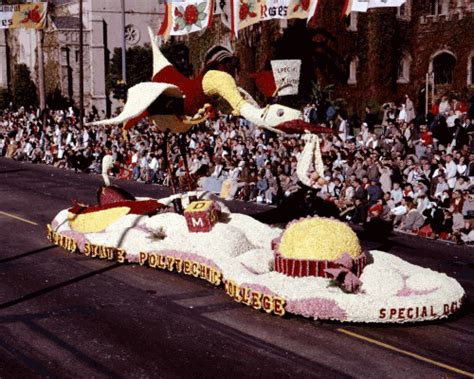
(140, 97)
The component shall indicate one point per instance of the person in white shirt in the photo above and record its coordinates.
(451, 171)
(441, 187)
(85, 137)
(450, 120)
(444, 106)
(461, 166)
(342, 128)
(396, 193)
(107, 164)
(153, 166)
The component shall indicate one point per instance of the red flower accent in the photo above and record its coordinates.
(244, 11)
(176, 27)
(191, 15)
(305, 4)
(34, 15)
(177, 13)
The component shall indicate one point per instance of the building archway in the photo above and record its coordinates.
(442, 65)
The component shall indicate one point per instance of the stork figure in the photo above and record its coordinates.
(174, 103)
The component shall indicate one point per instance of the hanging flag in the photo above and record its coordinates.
(355, 6)
(229, 10)
(239, 14)
(286, 75)
(29, 16)
(359, 5)
(385, 3)
(185, 17)
(364, 5)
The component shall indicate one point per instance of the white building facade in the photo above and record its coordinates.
(102, 22)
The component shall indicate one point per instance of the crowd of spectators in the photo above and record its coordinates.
(409, 173)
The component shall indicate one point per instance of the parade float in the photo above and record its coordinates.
(315, 267)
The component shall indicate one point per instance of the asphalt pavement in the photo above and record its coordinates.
(66, 315)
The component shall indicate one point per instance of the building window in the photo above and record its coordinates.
(439, 7)
(353, 71)
(353, 19)
(404, 11)
(470, 69)
(443, 68)
(64, 56)
(404, 69)
(132, 34)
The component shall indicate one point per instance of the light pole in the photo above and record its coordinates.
(124, 58)
(81, 67)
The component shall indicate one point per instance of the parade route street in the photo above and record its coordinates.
(66, 315)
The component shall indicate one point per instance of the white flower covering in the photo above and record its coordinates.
(258, 261)
(62, 221)
(392, 284)
(392, 291)
(227, 239)
(256, 232)
(426, 281)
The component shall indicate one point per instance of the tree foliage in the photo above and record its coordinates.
(4, 98)
(24, 90)
(139, 67)
(178, 55)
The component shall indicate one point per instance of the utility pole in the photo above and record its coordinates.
(81, 67)
(124, 46)
(41, 80)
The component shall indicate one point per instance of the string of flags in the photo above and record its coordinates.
(188, 16)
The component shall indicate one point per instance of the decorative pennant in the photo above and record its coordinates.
(253, 11)
(364, 5)
(26, 16)
(385, 3)
(187, 17)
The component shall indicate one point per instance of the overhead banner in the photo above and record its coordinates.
(287, 76)
(364, 5)
(239, 14)
(253, 11)
(28, 16)
(185, 17)
(386, 3)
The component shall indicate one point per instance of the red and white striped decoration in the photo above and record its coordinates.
(306, 267)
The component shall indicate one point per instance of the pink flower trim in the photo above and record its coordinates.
(258, 288)
(406, 291)
(54, 224)
(80, 238)
(317, 308)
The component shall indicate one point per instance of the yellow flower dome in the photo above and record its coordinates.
(319, 239)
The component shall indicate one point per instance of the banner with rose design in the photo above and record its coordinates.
(29, 16)
(185, 17)
(239, 14)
